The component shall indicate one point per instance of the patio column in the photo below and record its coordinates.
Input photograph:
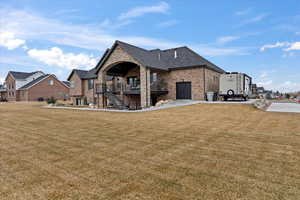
(145, 86)
(101, 80)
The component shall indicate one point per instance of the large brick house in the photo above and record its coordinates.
(129, 76)
(34, 86)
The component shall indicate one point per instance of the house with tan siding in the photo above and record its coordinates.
(130, 77)
(34, 86)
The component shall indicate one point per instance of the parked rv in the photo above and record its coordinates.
(235, 85)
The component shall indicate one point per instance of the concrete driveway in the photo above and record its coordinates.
(284, 107)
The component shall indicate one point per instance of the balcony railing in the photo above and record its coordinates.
(159, 85)
(129, 89)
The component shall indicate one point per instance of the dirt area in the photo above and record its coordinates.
(202, 151)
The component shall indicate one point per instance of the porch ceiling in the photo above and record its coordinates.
(121, 69)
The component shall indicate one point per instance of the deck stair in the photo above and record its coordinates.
(115, 101)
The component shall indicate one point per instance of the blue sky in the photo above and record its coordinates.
(258, 37)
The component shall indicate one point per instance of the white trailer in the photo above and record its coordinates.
(235, 85)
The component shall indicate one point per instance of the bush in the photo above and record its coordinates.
(51, 100)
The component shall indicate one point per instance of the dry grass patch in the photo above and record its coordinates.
(204, 151)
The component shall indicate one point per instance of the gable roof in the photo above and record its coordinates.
(41, 78)
(35, 81)
(22, 75)
(84, 74)
(163, 59)
(67, 83)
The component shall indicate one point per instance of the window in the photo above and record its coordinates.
(133, 81)
(50, 82)
(153, 77)
(90, 84)
(72, 85)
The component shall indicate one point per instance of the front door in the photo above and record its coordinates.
(183, 90)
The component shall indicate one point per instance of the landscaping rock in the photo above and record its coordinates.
(262, 104)
(162, 102)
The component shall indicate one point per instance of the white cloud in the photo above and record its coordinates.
(8, 40)
(108, 24)
(226, 39)
(167, 23)
(31, 26)
(255, 19)
(276, 45)
(162, 7)
(56, 57)
(290, 46)
(212, 51)
(263, 75)
(243, 12)
(293, 46)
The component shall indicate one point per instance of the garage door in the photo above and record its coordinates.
(183, 90)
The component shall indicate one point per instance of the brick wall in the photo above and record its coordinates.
(11, 88)
(212, 79)
(88, 93)
(23, 95)
(194, 75)
(77, 90)
(43, 89)
(118, 56)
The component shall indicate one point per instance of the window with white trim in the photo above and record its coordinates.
(51, 82)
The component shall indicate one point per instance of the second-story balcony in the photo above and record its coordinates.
(157, 87)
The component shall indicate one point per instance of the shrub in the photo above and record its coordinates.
(51, 100)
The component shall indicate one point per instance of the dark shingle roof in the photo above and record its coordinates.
(67, 83)
(156, 58)
(30, 84)
(84, 74)
(21, 75)
(164, 59)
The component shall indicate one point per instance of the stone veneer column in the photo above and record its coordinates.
(148, 88)
(145, 86)
(101, 80)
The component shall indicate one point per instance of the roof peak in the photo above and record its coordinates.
(157, 49)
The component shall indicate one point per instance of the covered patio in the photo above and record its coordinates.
(131, 85)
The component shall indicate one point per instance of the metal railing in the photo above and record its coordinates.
(159, 85)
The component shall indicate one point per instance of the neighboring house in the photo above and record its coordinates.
(34, 86)
(260, 90)
(82, 88)
(2, 92)
(129, 76)
(254, 89)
